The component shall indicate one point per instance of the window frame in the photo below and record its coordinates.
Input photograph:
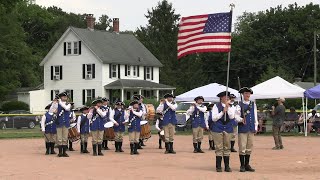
(69, 48)
(134, 71)
(75, 48)
(114, 72)
(91, 98)
(128, 70)
(148, 73)
(56, 73)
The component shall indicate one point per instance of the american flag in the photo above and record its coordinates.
(205, 33)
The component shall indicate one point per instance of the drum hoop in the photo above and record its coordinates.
(143, 122)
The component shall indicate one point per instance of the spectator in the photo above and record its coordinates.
(261, 119)
(313, 121)
(291, 118)
(278, 114)
(299, 124)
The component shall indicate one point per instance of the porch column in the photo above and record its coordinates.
(172, 91)
(122, 94)
(140, 91)
(157, 94)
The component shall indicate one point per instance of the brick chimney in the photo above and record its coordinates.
(90, 21)
(116, 28)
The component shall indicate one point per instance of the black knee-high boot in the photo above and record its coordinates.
(167, 148)
(210, 145)
(218, 163)
(171, 148)
(195, 148)
(160, 145)
(247, 164)
(141, 142)
(116, 145)
(85, 147)
(132, 148)
(242, 163)
(100, 150)
(136, 148)
(226, 160)
(213, 147)
(70, 146)
(94, 149)
(81, 147)
(199, 148)
(64, 151)
(60, 151)
(120, 147)
(47, 148)
(52, 148)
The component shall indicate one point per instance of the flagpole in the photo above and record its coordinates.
(229, 57)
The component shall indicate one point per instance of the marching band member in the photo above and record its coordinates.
(197, 111)
(168, 108)
(223, 117)
(48, 127)
(159, 127)
(209, 124)
(73, 119)
(235, 128)
(133, 119)
(117, 116)
(143, 107)
(63, 123)
(248, 117)
(83, 127)
(106, 108)
(96, 116)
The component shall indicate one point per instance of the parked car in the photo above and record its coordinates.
(18, 121)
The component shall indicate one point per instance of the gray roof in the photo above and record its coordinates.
(137, 84)
(27, 89)
(305, 85)
(117, 48)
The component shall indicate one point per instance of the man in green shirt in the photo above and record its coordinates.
(278, 114)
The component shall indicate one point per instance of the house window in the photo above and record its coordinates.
(89, 71)
(134, 68)
(128, 70)
(55, 93)
(89, 96)
(148, 72)
(75, 48)
(114, 71)
(69, 49)
(69, 93)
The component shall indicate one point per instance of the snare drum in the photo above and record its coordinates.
(73, 134)
(145, 130)
(151, 112)
(109, 132)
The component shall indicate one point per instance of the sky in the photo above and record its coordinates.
(131, 12)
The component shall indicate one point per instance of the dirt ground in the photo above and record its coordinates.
(25, 159)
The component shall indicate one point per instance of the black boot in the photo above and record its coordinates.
(132, 149)
(65, 147)
(195, 148)
(81, 147)
(247, 164)
(116, 145)
(160, 146)
(47, 148)
(120, 147)
(136, 148)
(105, 145)
(94, 149)
(85, 147)
(226, 160)
(210, 145)
(242, 163)
(141, 142)
(60, 151)
(70, 146)
(213, 147)
(199, 148)
(139, 145)
(171, 148)
(167, 148)
(232, 146)
(52, 148)
(218, 163)
(100, 150)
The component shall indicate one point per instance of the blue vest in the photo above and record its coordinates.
(120, 120)
(84, 124)
(170, 116)
(250, 119)
(63, 117)
(98, 122)
(198, 119)
(51, 126)
(106, 108)
(222, 125)
(135, 124)
(210, 122)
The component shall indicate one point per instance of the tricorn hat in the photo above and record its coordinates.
(223, 93)
(168, 95)
(245, 89)
(198, 97)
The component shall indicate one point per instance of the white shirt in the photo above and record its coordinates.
(79, 122)
(64, 105)
(172, 106)
(216, 115)
(99, 111)
(157, 125)
(191, 109)
(238, 113)
(139, 114)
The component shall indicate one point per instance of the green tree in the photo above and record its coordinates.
(272, 72)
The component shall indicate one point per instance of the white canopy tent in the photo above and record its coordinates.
(209, 93)
(277, 87)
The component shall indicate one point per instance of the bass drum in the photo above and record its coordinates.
(73, 134)
(151, 112)
(108, 132)
(145, 132)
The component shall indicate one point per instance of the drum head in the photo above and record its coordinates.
(108, 125)
(143, 122)
(162, 133)
(73, 125)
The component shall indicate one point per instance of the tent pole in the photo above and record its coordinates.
(303, 112)
(306, 123)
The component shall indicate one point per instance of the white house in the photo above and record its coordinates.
(90, 63)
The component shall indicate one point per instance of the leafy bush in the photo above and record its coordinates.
(15, 105)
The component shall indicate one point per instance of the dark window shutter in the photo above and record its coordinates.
(110, 95)
(60, 72)
(110, 74)
(93, 71)
(64, 48)
(93, 93)
(71, 94)
(83, 71)
(145, 72)
(83, 96)
(51, 95)
(119, 71)
(51, 72)
(138, 71)
(125, 70)
(151, 73)
(79, 47)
